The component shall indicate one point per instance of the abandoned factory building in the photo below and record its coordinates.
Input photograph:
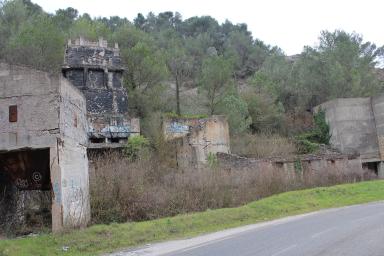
(357, 127)
(47, 125)
(96, 70)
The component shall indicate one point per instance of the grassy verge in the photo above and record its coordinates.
(106, 238)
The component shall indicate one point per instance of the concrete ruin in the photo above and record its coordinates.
(357, 127)
(43, 138)
(96, 70)
(197, 138)
(296, 166)
(48, 126)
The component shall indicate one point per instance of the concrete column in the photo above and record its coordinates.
(57, 209)
(380, 170)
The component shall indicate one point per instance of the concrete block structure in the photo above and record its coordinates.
(197, 138)
(96, 70)
(43, 138)
(357, 126)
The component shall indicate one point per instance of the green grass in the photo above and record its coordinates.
(107, 238)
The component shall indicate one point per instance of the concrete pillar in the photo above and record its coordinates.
(380, 170)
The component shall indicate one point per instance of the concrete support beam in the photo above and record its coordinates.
(380, 170)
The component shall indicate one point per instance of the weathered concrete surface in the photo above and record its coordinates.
(294, 166)
(35, 94)
(353, 126)
(51, 114)
(96, 70)
(380, 170)
(72, 153)
(198, 138)
(378, 112)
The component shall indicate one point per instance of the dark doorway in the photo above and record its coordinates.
(371, 166)
(25, 192)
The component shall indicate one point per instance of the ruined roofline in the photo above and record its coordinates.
(56, 75)
(293, 158)
(101, 43)
(52, 73)
(187, 118)
(336, 100)
(109, 67)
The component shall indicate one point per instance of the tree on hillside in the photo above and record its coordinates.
(180, 67)
(40, 40)
(64, 18)
(12, 15)
(90, 29)
(341, 66)
(248, 55)
(236, 111)
(216, 79)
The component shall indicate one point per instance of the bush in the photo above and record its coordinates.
(310, 141)
(136, 146)
(267, 116)
(122, 190)
(236, 111)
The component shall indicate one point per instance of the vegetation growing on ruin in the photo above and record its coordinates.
(136, 147)
(311, 140)
(106, 238)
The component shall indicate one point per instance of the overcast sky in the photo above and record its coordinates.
(289, 24)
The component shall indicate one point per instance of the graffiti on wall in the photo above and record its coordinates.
(57, 192)
(176, 127)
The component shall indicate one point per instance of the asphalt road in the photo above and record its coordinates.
(351, 231)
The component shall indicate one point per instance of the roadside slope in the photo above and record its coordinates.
(107, 238)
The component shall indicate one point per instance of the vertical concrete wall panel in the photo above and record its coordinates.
(74, 185)
(73, 157)
(378, 111)
(352, 126)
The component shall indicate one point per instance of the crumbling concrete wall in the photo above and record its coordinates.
(96, 70)
(39, 111)
(198, 138)
(35, 95)
(293, 166)
(353, 126)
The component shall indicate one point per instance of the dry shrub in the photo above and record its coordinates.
(262, 145)
(122, 190)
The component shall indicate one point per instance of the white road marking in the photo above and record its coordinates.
(284, 250)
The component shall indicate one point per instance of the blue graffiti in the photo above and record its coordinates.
(176, 127)
(57, 192)
(115, 129)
